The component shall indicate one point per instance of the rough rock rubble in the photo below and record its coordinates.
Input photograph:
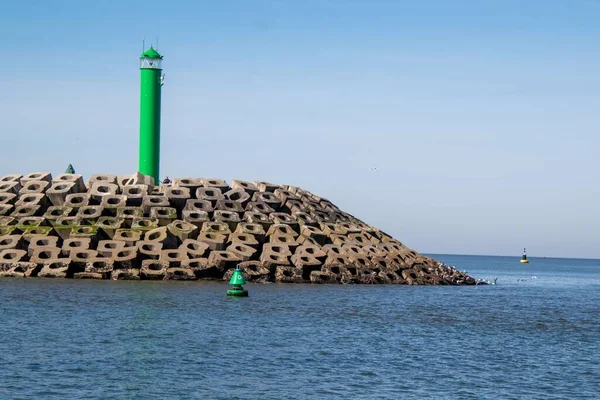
(125, 227)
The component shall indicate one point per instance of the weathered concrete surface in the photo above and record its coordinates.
(195, 228)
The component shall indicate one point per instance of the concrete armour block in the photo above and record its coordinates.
(313, 251)
(90, 212)
(174, 257)
(304, 219)
(26, 222)
(240, 196)
(144, 224)
(154, 270)
(127, 258)
(17, 270)
(352, 249)
(258, 218)
(101, 178)
(196, 218)
(86, 232)
(223, 260)
(42, 254)
(283, 218)
(10, 187)
(31, 231)
(134, 194)
(177, 196)
(284, 240)
(339, 260)
(36, 241)
(76, 200)
(266, 187)
(80, 257)
(230, 206)
(73, 178)
(11, 178)
(217, 227)
(210, 194)
(284, 195)
(107, 248)
(33, 199)
(323, 277)
(125, 275)
(58, 192)
(88, 275)
(164, 236)
(232, 219)
(243, 252)
(11, 242)
(135, 179)
(36, 176)
(75, 245)
(286, 274)
(34, 187)
(8, 221)
(245, 239)
(53, 213)
(8, 198)
(26, 211)
(321, 216)
(128, 214)
(303, 240)
(12, 255)
(192, 184)
(100, 266)
(315, 233)
(249, 228)
(215, 183)
(164, 215)
(151, 201)
(199, 205)
(215, 241)
(112, 203)
(182, 230)
(99, 190)
(281, 229)
(259, 207)
(149, 250)
(130, 237)
(6, 209)
(333, 249)
(195, 248)
(340, 240)
(109, 225)
(246, 186)
(180, 274)
(306, 261)
(202, 270)
(253, 271)
(55, 268)
(273, 255)
(295, 206)
(269, 199)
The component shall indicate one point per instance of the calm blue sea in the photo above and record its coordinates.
(524, 338)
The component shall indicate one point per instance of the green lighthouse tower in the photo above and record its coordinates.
(151, 83)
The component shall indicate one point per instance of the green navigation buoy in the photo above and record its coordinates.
(237, 280)
(70, 169)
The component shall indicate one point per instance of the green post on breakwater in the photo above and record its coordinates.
(150, 90)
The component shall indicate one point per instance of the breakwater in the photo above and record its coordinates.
(125, 227)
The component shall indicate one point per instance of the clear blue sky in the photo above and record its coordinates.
(481, 116)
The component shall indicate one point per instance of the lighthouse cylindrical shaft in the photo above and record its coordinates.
(150, 122)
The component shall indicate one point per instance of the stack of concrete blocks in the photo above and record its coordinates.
(127, 228)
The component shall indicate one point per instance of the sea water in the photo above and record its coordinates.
(533, 335)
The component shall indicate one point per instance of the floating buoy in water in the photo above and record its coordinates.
(524, 259)
(237, 280)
